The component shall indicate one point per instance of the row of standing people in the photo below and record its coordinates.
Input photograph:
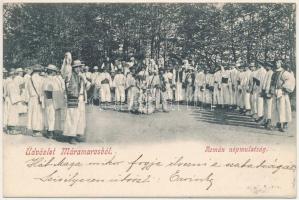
(261, 90)
(49, 101)
(56, 100)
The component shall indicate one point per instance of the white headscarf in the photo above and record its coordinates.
(66, 68)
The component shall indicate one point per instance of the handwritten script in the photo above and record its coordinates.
(142, 170)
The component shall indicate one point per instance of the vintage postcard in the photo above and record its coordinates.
(149, 99)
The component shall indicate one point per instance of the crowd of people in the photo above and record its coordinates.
(54, 99)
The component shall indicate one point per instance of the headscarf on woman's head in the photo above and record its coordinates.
(68, 58)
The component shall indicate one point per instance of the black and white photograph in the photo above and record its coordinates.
(155, 76)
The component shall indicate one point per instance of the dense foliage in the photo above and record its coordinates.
(209, 33)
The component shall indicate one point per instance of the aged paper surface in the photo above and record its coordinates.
(191, 150)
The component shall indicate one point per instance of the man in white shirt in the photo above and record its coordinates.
(53, 89)
(36, 100)
(119, 83)
(282, 84)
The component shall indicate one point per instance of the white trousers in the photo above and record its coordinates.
(281, 109)
(218, 96)
(35, 115)
(132, 97)
(169, 91)
(253, 102)
(247, 100)
(75, 121)
(179, 92)
(105, 93)
(260, 106)
(53, 118)
(120, 94)
(189, 93)
(268, 108)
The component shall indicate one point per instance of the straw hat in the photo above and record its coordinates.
(52, 67)
(77, 63)
(19, 70)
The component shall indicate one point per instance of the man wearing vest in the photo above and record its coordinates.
(282, 84)
(75, 123)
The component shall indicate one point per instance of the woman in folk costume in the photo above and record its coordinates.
(54, 104)
(75, 122)
(282, 84)
(199, 84)
(66, 68)
(34, 88)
